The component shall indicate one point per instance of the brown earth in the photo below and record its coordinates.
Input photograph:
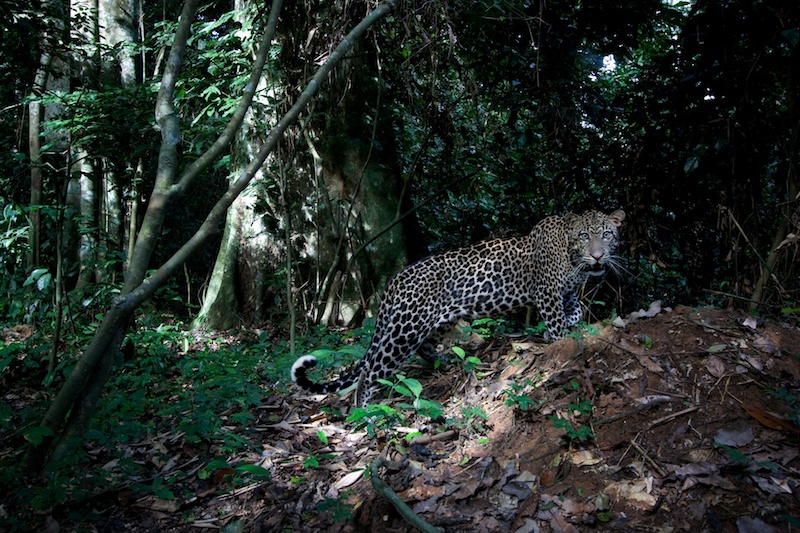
(683, 421)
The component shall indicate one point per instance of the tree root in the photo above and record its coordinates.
(382, 488)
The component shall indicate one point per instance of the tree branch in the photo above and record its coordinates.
(217, 213)
(382, 488)
(227, 136)
(167, 155)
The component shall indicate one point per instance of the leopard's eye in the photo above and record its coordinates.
(583, 235)
(608, 234)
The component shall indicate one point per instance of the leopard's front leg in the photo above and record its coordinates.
(550, 304)
(572, 309)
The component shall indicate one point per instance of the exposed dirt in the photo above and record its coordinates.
(686, 437)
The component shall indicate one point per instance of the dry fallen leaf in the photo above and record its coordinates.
(421, 492)
(737, 435)
(750, 322)
(157, 504)
(765, 344)
(715, 365)
(649, 364)
(584, 458)
(632, 492)
(349, 479)
(769, 419)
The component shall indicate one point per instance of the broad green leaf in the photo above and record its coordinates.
(413, 384)
(404, 391)
(36, 435)
(256, 470)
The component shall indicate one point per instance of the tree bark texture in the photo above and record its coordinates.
(342, 187)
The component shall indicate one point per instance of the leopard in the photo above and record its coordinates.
(423, 302)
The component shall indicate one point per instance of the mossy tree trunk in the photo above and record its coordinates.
(340, 187)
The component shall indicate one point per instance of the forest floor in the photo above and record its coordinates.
(684, 420)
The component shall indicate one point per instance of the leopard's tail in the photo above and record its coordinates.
(299, 377)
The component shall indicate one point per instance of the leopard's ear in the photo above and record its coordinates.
(617, 217)
(572, 219)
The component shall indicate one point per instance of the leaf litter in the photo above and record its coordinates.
(690, 421)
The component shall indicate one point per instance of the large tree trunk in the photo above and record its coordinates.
(363, 188)
(337, 194)
(237, 288)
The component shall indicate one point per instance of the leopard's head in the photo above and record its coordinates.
(593, 238)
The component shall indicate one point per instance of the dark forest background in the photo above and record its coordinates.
(446, 123)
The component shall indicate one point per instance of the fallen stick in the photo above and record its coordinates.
(649, 460)
(425, 439)
(663, 419)
(382, 488)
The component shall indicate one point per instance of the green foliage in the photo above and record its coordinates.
(313, 460)
(490, 327)
(204, 397)
(469, 363)
(646, 341)
(517, 397)
(381, 417)
(340, 510)
(473, 419)
(24, 297)
(582, 328)
(412, 389)
(575, 432)
(374, 418)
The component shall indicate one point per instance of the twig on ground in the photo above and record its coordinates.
(649, 460)
(635, 410)
(663, 419)
(425, 439)
(382, 488)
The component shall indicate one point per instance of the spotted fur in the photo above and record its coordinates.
(424, 300)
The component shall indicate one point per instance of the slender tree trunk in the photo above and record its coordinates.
(35, 151)
(35, 111)
(84, 175)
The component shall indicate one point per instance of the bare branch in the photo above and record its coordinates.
(227, 136)
(217, 213)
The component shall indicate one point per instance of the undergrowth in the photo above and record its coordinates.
(176, 407)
